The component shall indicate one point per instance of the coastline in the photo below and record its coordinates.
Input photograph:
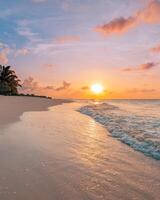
(126, 123)
(63, 154)
(12, 107)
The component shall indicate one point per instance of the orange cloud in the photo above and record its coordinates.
(64, 86)
(67, 39)
(149, 15)
(142, 67)
(49, 87)
(156, 49)
(119, 25)
(143, 90)
(147, 66)
(85, 88)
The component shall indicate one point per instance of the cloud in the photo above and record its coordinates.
(85, 88)
(49, 65)
(119, 25)
(149, 15)
(22, 52)
(3, 45)
(64, 86)
(49, 87)
(147, 66)
(25, 31)
(31, 86)
(142, 67)
(67, 39)
(143, 90)
(156, 49)
(4, 55)
(6, 13)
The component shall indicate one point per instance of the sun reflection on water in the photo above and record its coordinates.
(96, 103)
(90, 151)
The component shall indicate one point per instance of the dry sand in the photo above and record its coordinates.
(11, 107)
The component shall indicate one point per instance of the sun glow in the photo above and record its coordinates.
(97, 88)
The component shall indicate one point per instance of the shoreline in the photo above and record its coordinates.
(12, 107)
(125, 127)
(63, 154)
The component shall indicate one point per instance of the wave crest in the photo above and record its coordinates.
(140, 132)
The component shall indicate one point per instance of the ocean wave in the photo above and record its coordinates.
(141, 132)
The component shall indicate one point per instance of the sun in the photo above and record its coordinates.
(97, 88)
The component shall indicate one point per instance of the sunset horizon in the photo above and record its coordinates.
(61, 48)
(80, 100)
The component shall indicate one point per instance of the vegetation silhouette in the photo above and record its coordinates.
(9, 81)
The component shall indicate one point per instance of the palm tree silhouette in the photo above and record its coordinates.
(9, 81)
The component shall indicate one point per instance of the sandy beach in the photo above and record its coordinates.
(11, 108)
(80, 100)
(61, 154)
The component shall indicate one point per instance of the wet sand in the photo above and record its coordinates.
(61, 154)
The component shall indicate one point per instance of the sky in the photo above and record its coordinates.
(60, 48)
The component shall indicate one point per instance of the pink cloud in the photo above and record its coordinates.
(4, 55)
(31, 86)
(149, 15)
(67, 39)
(142, 67)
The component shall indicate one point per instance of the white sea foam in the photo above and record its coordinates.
(136, 123)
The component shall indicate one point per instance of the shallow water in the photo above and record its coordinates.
(134, 122)
(62, 155)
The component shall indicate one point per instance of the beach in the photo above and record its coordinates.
(50, 151)
(12, 107)
(133, 122)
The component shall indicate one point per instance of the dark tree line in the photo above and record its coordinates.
(9, 81)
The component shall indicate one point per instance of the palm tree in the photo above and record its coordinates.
(9, 81)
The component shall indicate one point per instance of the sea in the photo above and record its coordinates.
(133, 122)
